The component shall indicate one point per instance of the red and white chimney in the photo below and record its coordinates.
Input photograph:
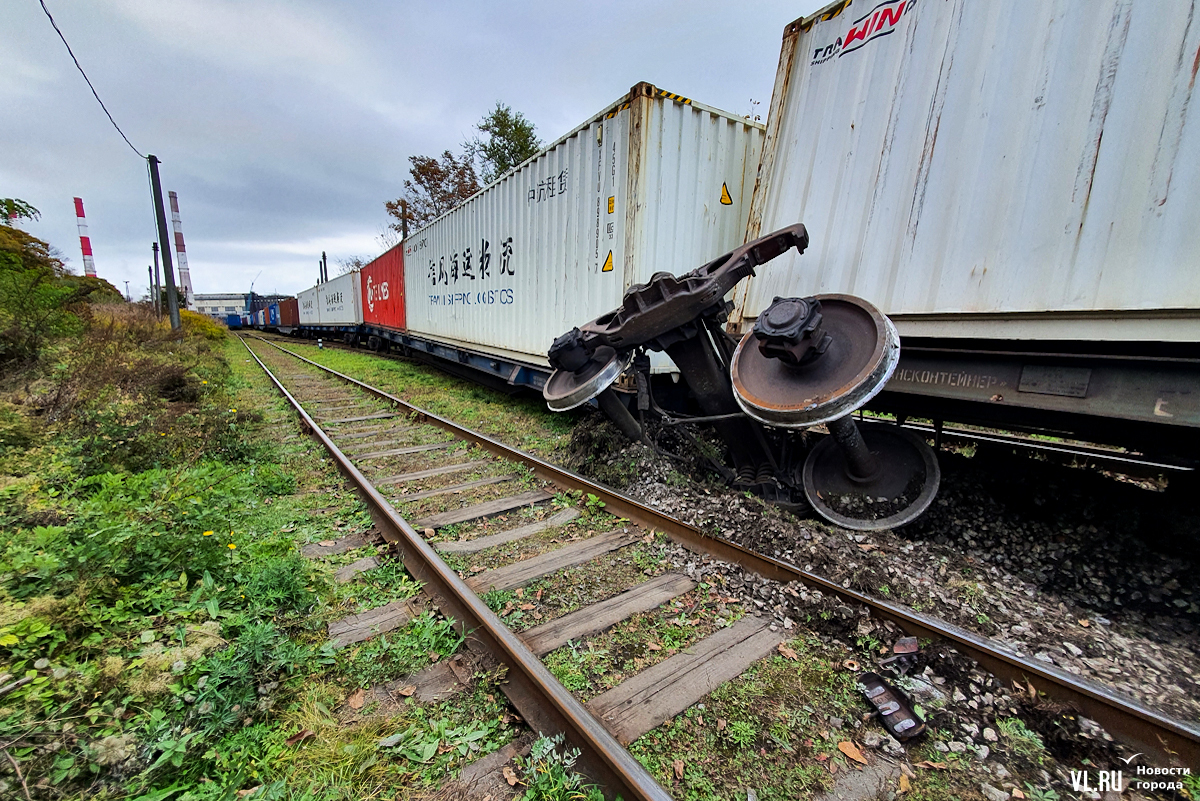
(85, 242)
(185, 276)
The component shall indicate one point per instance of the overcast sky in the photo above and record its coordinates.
(284, 126)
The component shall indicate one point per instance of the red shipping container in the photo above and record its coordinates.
(289, 313)
(383, 290)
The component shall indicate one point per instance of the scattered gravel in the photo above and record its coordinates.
(1067, 566)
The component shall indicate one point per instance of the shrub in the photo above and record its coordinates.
(39, 300)
(200, 325)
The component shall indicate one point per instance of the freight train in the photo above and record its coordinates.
(1009, 191)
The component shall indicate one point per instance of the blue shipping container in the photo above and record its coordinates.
(233, 320)
(273, 314)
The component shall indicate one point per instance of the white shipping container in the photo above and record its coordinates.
(339, 300)
(1022, 170)
(307, 302)
(655, 182)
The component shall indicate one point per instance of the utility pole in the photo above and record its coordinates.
(157, 282)
(161, 217)
(403, 220)
(127, 298)
(150, 279)
(324, 267)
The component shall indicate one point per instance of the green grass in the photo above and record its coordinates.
(173, 637)
(765, 730)
(1021, 740)
(548, 774)
(521, 420)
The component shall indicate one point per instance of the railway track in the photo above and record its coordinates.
(1065, 452)
(364, 428)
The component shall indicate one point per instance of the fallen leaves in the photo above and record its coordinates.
(850, 664)
(721, 724)
(1085, 623)
(653, 646)
(429, 532)
(788, 652)
(299, 737)
(510, 776)
(678, 765)
(868, 547)
(407, 691)
(327, 543)
(851, 750)
(357, 699)
(925, 763)
(905, 784)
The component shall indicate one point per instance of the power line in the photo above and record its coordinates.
(89, 82)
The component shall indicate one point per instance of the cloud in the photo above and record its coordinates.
(284, 126)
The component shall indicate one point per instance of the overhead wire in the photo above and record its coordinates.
(89, 82)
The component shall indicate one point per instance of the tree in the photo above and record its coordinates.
(436, 186)
(12, 208)
(39, 298)
(351, 263)
(510, 140)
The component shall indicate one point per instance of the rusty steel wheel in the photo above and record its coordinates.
(856, 360)
(566, 390)
(899, 489)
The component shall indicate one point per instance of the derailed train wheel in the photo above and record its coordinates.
(568, 388)
(812, 361)
(901, 489)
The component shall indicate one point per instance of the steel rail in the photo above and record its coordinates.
(1163, 738)
(544, 703)
(1116, 458)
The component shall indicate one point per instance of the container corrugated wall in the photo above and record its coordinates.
(557, 241)
(383, 290)
(959, 163)
(307, 302)
(339, 300)
(289, 312)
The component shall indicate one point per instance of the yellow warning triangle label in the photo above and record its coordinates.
(726, 200)
(607, 264)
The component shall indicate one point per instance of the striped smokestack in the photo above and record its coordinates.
(185, 276)
(85, 242)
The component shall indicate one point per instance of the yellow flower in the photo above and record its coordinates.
(208, 534)
(233, 410)
(162, 434)
(232, 546)
(203, 382)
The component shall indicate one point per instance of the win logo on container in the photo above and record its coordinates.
(880, 21)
